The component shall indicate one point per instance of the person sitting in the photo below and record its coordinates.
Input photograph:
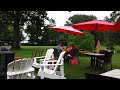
(69, 52)
(71, 49)
(110, 48)
(60, 48)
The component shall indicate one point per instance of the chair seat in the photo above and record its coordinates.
(48, 71)
(101, 61)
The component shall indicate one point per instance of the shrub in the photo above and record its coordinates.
(82, 42)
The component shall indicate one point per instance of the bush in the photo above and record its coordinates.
(117, 48)
(83, 42)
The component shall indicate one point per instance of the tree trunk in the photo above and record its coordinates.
(16, 31)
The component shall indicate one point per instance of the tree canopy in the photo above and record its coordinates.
(82, 42)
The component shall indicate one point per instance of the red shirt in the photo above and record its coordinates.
(71, 51)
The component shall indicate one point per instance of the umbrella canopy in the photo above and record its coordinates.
(94, 25)
(68, 30)
(117, 25)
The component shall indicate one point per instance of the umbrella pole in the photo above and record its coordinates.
(95, 40)
(95, 36)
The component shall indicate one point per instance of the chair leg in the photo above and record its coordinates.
(32, 75)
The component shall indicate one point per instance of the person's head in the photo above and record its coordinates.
(61, 43)
(72, 44)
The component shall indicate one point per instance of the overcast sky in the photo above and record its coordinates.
(62, 16)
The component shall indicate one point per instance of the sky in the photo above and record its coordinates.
(61, 17)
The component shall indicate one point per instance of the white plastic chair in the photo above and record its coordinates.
(21, 69)
(57, 72)
(49, 56)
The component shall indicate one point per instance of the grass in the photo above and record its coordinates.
(26, 51)
(71, 71)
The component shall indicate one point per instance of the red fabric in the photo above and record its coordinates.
(68, 30)
(71, 51)
(94, 25)
(73, 61)
(117, 25)
(98, 44)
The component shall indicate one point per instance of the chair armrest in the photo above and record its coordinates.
(38, 57)
(35, 58)
(47, 60)
(42, 56)
(42, 65)
(51, 61)
(36, 65)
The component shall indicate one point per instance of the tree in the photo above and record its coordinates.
(77, 18)
(82, 42)
(85, 42)
(17, 19)
(112, 37)
(53, 37)
(36, 27)
(6, 34)
(115, 16)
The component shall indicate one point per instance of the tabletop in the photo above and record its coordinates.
(115, 73)
(94, 54)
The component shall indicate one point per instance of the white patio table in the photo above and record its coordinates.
(115, 73)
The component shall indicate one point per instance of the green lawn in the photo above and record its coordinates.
(71, 71)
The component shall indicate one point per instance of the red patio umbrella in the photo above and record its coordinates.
(117, 25)
(94, 25)
(68, 30)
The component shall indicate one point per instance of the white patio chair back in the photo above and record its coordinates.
(21, 69)
(29, 63)
(23, 64)
(26, 63)
(14, 65)
(53, 73)
(60, 60)
(49, 54)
